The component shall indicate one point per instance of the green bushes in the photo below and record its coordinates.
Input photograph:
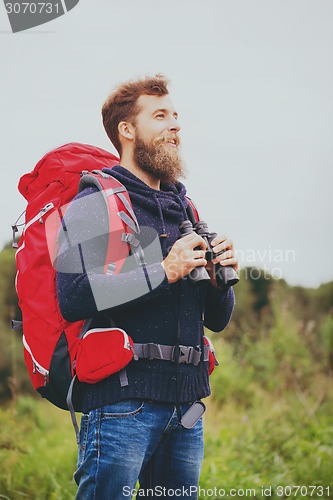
(269, 420)
(277, 441)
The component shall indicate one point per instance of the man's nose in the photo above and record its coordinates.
(174, 125)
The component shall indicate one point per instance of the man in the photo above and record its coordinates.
(132, 431)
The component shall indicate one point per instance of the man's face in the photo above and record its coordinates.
(156, 147)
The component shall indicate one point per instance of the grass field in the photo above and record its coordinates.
(254, 438)
(269, 424)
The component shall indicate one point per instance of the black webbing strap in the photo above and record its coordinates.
(69, 401)
(123, 378)
(186, 354)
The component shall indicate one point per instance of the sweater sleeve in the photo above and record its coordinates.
(82, 286)
(218, 308)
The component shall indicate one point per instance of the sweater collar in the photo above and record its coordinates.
(168, 203)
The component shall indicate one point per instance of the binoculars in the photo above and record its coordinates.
(225, 276)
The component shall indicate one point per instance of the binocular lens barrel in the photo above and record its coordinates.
(225, 276)
(199, 275)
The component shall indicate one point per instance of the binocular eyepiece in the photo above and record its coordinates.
(225, 276)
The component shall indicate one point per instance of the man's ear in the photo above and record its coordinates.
(126, 130)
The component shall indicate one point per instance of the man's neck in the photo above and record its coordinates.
(127, 162)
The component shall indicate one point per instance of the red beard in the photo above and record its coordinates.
(161, 162)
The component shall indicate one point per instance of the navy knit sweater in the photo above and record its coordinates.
(85, 292)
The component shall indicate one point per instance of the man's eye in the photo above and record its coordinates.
(160, 115)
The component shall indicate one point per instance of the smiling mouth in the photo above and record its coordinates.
(172, 143)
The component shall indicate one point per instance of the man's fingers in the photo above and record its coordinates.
(218, 239)
(199, 254)
(199, 262)
(229, 254)
(230, 262)
(193, 240)
(225, 245)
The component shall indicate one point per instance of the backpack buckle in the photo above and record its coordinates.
(130, 239)
(188, 355)
(15, 230)
(101, 173)
(184, 354)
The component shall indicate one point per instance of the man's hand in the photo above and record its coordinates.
(222, 244)
(183, 257)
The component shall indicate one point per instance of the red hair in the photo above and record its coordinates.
(121, 105)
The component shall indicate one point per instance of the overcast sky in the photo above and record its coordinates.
(252, 81)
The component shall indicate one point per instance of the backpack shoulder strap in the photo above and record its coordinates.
(192, 211)
(122, 223)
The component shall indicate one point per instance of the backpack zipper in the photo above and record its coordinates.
(37, 366)
(127, 344)
(39, 216)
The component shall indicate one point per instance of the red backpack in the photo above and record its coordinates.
(52, 345)
(50, 342)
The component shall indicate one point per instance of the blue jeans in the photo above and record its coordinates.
(136, 440)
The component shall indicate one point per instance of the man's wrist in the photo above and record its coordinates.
(168, 273)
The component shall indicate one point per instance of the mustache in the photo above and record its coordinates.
(166, 138)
